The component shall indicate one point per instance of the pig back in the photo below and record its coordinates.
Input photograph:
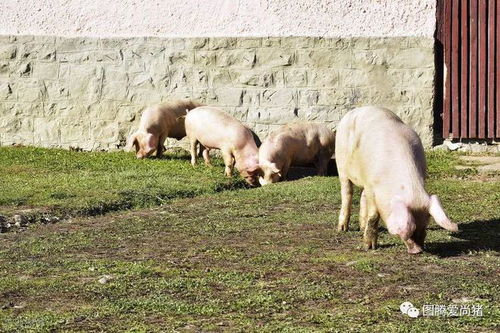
(173, 116)
(373, 144)
(303, 141)
(216, 129)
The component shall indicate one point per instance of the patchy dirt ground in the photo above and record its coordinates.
(265, 259)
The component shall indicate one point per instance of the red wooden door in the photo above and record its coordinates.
(469, 34)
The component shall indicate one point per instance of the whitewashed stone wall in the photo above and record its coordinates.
(88, 92)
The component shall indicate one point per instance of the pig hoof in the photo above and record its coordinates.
(415, 250)
(370, 246)
(342, 227)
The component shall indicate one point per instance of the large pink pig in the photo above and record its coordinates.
(375, 150)
(212, 128)
(158, 123)
(295, 144)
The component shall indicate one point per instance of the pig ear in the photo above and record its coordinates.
(275, 170)
(437, 212)
(400, 221)
(132, 141)
(255, 170)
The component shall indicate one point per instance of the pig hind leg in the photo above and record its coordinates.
(345, 209)
(371, 220)
(193, 142)
(199, 151)
(228, 162)
(363, 213)
(206, 156)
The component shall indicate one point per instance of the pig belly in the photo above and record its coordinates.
(211, 142)
(303, 157)
(177, 133)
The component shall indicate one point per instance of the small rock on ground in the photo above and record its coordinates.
(20, 220)
(105, 279)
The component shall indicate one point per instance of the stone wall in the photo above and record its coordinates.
(88, 92)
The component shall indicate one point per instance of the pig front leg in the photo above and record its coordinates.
(419, 237)
(193, 142)
(371, 219)
(322, 165)
(345, 209)
(413, 247)
(415, 244)
(285, 169)
(228, 162)
(161, 147)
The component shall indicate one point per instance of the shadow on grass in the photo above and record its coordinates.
(296, 173)
(175, 153)
(128, 199)
(167, 156)
(480, 235)
(145, 199)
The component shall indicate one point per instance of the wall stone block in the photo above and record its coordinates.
(241, 58)
(205, 58)
(46, 70)
(6, 92)
(8, 52)
(248, 43)
(295, 77)
(279, 97)
(275, 57)
(222, 43)
(30, 90)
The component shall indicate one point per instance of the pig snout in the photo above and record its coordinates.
(263, 181)
(269, 179)
(252, 182)
(251, 176)
(269, 174)
(141, 156)
(144, 153)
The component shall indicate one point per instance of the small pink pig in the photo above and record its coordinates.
(296, 144)
(158, 123)
(375, 150)
(212, 128)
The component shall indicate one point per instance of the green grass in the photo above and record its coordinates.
(266, 259)
(82, 183)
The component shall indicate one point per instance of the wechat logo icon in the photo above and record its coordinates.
(408, 309)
